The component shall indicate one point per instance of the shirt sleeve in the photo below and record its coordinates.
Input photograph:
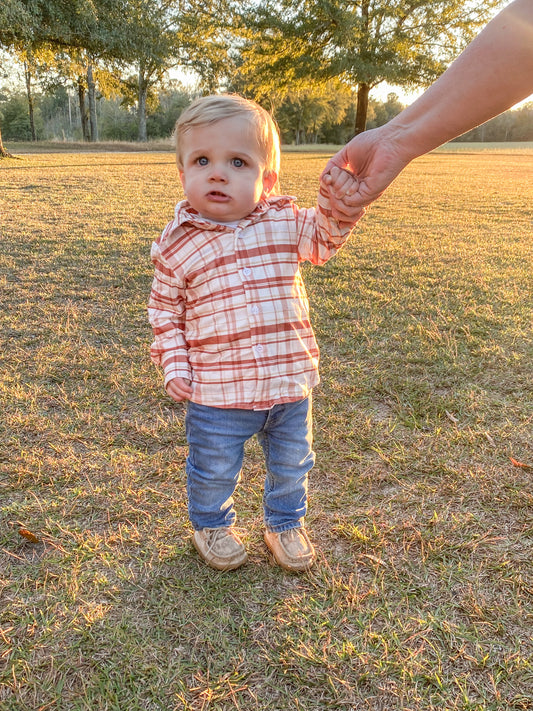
(166, 312)
(320, 235)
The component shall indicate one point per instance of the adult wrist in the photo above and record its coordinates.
(401, 140)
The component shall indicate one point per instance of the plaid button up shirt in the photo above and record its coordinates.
(228, 305)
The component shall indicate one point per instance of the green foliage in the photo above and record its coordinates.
(300, 59)
(116, 122)
(303, 113)
(170, 104)
(15, 120)
(405, 43)
(114, 36)
(73, 23)
(156, 36)
(380, 113)
(15, 22)
(57, 116)
(304, 117)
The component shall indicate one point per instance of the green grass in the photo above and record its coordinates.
(422, 596)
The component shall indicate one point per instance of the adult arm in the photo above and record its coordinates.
(492, 74)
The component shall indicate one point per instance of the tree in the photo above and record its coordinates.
(34, 23)
(406, 43)
(82, 70)
(82, 46)
(157, 35)
(303, 112)
(150, 35)
(14, 22)
(149, 30)
(384, 111)
(15, 119)
(35, 63)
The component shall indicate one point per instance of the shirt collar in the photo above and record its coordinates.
(184, 213)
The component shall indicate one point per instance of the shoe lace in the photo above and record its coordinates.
(216, 534)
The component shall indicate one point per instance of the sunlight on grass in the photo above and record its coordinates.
(421, 599)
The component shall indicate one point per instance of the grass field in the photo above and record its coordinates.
(421, 500)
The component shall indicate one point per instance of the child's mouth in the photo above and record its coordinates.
(217, 196)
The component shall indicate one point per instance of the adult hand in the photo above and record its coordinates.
(374, 160)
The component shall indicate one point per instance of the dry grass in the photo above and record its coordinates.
(422, 596)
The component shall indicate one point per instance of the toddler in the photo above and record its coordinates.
(230, 317)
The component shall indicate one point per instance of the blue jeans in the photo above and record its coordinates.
(216, 438)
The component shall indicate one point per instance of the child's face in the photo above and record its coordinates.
(223, 172)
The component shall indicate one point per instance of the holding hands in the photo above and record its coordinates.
(493, 73)
(342, 187)
(374, 158)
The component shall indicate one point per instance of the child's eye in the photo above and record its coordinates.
(238, 162)
(202, 160)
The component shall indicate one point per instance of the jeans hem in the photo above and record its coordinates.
(282, 527)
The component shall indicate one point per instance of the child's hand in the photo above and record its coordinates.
(179, 389)
(341, 184)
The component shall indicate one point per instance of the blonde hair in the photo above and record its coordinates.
(210, 109)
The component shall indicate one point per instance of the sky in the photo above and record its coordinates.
(381, 92)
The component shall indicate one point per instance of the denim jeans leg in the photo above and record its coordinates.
(216, 438)
(287, 442)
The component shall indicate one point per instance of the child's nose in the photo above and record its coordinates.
(218, 173)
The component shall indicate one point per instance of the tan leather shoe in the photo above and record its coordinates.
(221, 548)
(292, 549)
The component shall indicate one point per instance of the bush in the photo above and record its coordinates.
(16, 120)
(116, 122)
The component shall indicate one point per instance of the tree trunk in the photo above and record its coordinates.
(3, 152)
(91, 91)
(363, 88)
(83, 110)
(362, 108)
(27, 75)
(143, 93)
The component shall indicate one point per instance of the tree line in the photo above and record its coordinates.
(282, 53)
(304, 116)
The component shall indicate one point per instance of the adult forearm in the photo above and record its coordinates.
(494, 72)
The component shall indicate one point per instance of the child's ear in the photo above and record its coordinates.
(270, 180)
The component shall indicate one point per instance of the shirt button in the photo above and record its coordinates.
(246, 271)
(258, 349)
(254, 309)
